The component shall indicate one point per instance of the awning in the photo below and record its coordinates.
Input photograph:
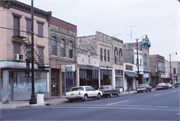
(131, 74)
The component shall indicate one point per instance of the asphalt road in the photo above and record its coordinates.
(156, 105)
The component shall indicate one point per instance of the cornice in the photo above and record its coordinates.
(25, 8)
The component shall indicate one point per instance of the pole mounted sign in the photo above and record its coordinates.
(68, 68)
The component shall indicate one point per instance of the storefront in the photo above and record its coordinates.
(130, 77)
(106, 77)
(19, 87)
(119, 78)
(89, 77)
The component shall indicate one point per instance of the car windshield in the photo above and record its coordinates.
(142, 85)
(161, 84)
(77, 89)
(167, 84)
(104, 87)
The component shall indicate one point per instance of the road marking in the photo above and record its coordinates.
(157, 94)
(162, 106)
(14, 105)
(118, 102)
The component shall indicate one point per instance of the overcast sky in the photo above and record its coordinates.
(158, 19)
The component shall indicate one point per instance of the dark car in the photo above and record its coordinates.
(109, 90)
(144, 87)
(169, 85)
(161, 86)
(177, 85)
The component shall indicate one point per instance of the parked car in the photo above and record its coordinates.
(161, 86)
(177, 85)
(109, 90)
(169, 85)
(83, 92)
(144, 87)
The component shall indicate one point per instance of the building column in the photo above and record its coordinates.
(60, 82)
(77, 76)
(50, 82)
(99, 77)
(5, 99)
(113, 77)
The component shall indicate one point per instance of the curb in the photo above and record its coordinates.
(34, 105)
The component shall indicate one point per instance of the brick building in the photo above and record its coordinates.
(62, 56)
(157, 65)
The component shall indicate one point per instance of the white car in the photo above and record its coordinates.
(83, 92)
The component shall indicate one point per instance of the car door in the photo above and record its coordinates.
(88, 90)
(93, 92)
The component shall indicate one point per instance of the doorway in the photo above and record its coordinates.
(54, 82)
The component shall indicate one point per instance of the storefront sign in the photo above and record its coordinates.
(68, 68)
(128, 67)
(146, 75)
(163, 76)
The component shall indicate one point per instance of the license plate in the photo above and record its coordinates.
(140, 89)
(72, 94)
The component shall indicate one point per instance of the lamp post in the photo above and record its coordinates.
(170, 66)
(33, 98)
(137, 55)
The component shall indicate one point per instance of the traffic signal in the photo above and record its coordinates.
(27, 68)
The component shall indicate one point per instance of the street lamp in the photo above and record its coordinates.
(170, 65)
(137, 54)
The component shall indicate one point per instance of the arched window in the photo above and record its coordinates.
(54, 46)
(120, 56)
(115, 54)
(63, 52)
(70, 49)
(145, 60)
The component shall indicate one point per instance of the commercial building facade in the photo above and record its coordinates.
(15, 17)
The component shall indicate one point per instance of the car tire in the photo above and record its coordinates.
(71, 100)
(98, 96)
(137, 91)
(110, 95)
(118, 94)
(85, 98)
(147, 90)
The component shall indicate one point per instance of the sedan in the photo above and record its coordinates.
(177, 85)
(169, 85)
(161, 86)
(144, 87)
(109, 90)
(83, 92)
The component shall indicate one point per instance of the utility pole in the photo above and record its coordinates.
(33, 98)
(137, 60)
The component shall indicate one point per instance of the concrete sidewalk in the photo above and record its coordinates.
(47, 102)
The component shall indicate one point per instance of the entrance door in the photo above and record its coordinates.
(130, 83)
(54, 82)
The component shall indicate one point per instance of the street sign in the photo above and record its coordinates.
(27, 49)
(28, 55)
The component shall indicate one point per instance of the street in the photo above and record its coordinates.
(156, 105)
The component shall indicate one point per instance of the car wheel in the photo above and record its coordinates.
(118, 94)
(137, 91)
(85, 98)
(147, 90)
(71, 100)
(110, 95)
(98, 96)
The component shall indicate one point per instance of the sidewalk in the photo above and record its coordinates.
(48, 102)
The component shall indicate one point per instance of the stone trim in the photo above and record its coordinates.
(16, 15)
(40, 22)
(40, 46)
(25, 8)
(28, 18)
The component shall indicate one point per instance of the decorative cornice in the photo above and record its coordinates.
(25, 8)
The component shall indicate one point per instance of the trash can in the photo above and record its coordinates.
(40, 97)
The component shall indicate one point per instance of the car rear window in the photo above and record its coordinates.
(77, 89)
(104, 87)
(142, 85)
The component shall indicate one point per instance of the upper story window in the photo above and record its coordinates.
(54, 46)
(16, 24)
(145, 60)
(120, 56)
(101, 54)
(40, 28)
(174, 70)
(115, 55)
(104, 55)
(28, 25)
(70, 49)
(17, 46)
(63, 52)
(108, 56)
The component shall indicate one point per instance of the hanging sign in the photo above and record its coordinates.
(68, 68)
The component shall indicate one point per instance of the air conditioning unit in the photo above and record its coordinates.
(18, 57)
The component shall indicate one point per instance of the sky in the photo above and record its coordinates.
(124, 19)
